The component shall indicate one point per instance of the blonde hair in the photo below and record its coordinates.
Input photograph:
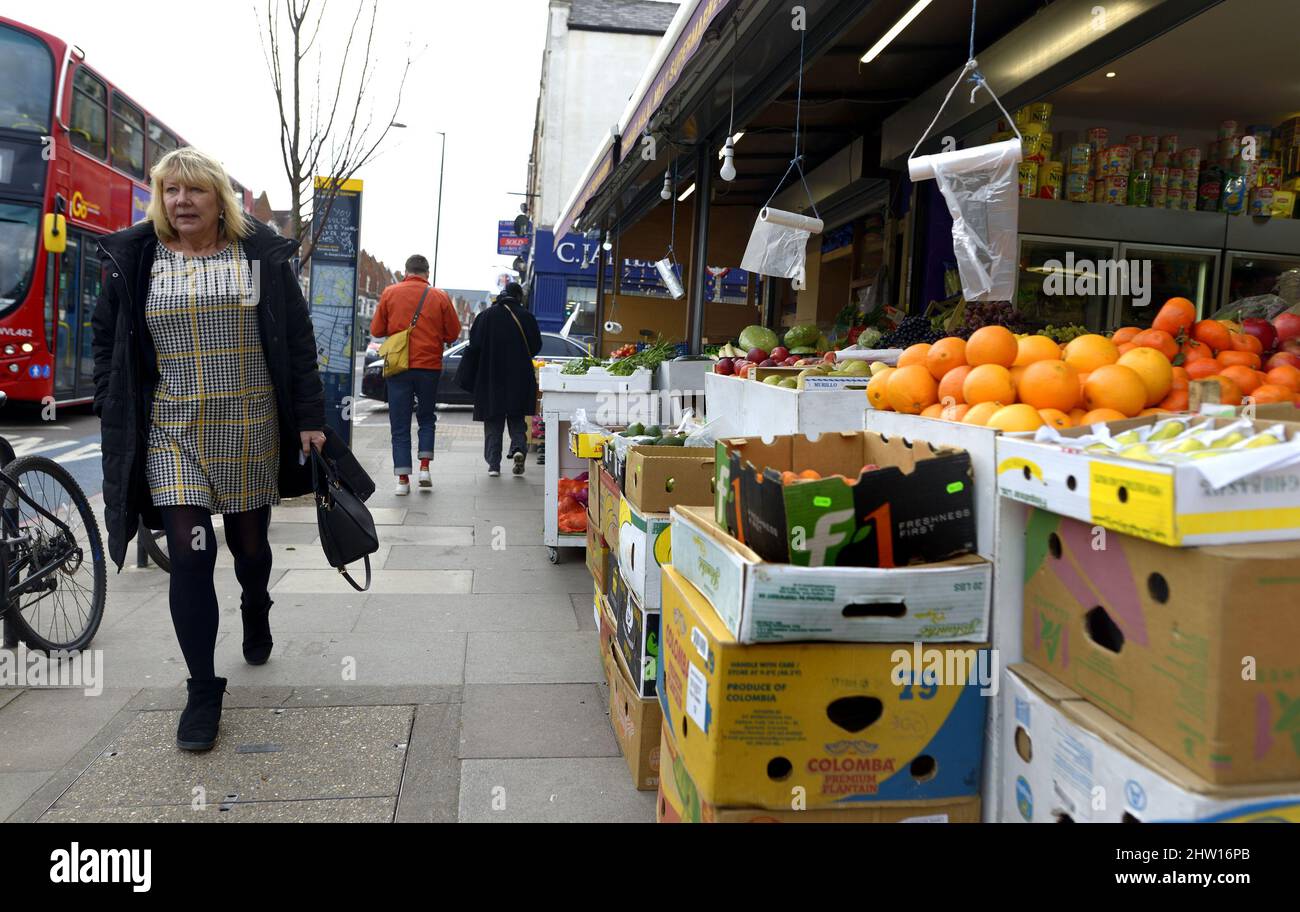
(193, 168)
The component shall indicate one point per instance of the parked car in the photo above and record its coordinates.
(555, 348)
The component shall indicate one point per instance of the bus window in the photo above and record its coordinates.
(160, 142)
(65, 336)
(89, 114)
(128, 137)
(18, 230)
(26, 82)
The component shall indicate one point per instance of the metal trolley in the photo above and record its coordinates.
(608, 399)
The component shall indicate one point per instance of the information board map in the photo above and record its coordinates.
(332, 316)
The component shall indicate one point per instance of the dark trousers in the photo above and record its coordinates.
(192, 549)
(492, 430)
(413, 390)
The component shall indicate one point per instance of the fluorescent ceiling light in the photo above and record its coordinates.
(894, 31)
(686, 193)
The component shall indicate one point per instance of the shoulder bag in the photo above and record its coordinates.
(396, 350)
(347, 530)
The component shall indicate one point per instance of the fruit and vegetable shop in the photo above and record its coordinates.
(938, 454)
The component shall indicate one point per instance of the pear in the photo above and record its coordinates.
(1169, 431)
(1128, 438)
(857, 369)
(877, 367)
(1140, 451)
(1232, 439)
(1260, 440)
(773, 380)
(1190, 445)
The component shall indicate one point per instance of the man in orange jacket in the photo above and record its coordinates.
(428, 312)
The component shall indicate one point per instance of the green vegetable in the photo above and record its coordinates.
(803, 350)
(803, 336)
(653, 431)
(650, 358)
(672, 441)
(580, 366)
(634, 430)
(758, 337)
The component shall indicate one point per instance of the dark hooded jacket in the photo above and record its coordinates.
(126, 370)
(503, 340)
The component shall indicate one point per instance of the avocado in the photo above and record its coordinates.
(653, 431)
(634, 430)
(673, 441)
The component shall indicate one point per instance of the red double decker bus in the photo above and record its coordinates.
(71, 143)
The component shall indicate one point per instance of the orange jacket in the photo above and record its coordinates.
(438, 324)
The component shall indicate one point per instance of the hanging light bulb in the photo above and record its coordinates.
(667, 192)
(728, 171)
(608, 245)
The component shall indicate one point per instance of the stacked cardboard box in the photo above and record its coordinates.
(625, 557)
(1067, 761)
(798, 684)
(1196, 650)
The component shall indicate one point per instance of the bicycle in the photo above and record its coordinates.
(53, 570)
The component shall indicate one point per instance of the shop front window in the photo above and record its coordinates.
(1055, 287)
(26, 83)
(581, 298)
(1161, 273)
(18, 231)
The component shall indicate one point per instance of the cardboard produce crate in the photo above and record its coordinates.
(658, 478)
(593, 493)
(680, 802)
(832, 724)
(637, 721)
(1168, 504)
(600, 560)
(1196, 649)
(761, 602)
(609, 499)
(607, 632)
(1068, 761)
(918, 507)
(638, 638)
(644, 545)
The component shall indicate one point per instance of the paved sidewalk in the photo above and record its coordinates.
(465, 685)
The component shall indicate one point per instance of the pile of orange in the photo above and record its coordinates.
(999, 380)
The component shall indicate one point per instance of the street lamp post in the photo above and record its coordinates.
(437, 231)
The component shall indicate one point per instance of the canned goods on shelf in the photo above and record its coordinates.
(1028, 178)
(1144, 160)
(1034, 127)
(1151, 142)
(1139, 188)
(1169, 143)
(1041, 112)
(1031, 145)
(1159, 197)
(1050, 177)
(1079, 157)
(1173, 198)
(1134, 140)
(1164, 160)
(1115, 191)
(1228, 128)
(1098, 138)
(1230, 148)
(1283, 204)
(1270, 175)
(1159, 177)
(1047, 142)
(1191, 158)
(1099, 191)
(1003, 136)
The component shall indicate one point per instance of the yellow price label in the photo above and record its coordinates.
(1134, 501)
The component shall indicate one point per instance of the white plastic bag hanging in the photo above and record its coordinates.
(778, 245)
(981, 189)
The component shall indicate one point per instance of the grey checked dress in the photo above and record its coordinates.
(213, 435)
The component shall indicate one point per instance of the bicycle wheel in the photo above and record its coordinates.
(66, 571)
(155, 545)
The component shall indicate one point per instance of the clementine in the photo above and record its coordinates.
(1115, 387)
(1016, 418)
(1049, 385)
(946, 355)
(914, 355)
(1124, 334)
(1159, 340)
(951, 384)
(1213, 334)
(989, 383)
(1087, 353)
(981, 413)
(992, 345)
(1036, 348)
(1177, 315)
(1284, 375)
(911, 389)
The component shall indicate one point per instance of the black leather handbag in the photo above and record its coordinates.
(347, 530)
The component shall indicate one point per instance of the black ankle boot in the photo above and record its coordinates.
(257, 632)
(201, 718)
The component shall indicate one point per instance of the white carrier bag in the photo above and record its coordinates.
(981, 188)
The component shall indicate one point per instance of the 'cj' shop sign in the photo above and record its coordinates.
(576, 255)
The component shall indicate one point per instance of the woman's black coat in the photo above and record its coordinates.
(504, 380)
(126, 371)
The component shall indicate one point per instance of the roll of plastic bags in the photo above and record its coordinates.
(778, 245)
(981, 189)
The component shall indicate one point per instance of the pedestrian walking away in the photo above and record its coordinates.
(208, 395)
(429, 315)
(498, 370)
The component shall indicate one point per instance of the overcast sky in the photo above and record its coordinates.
(199, 67)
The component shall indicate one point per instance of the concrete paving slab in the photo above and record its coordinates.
(398, 582)
(345, 810)
(584, 611)
(564, 579)
(442, 613)
(382, 516)
(16, 788)
(431, 783)
(299, 557)
(45, 727)
(536, 720)
(373, 659)
(532, 658)
(563, 790)
(9, 694)
(430, 536)
(483, 557)
(262, 755)
(139, 656)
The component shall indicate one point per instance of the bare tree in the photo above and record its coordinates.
(325, 131)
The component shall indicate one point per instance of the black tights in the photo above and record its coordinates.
(192, 548)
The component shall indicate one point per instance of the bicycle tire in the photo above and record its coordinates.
(23, 469)
(157, 553)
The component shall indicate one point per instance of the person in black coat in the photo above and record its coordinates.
(209, 398)
(502, 343)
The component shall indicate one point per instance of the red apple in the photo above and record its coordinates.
(768, 362)
(1261, 330)
(1287, 326)
(1283, 357)
(791, 361)
(756, 355)
(780, 353)
(741, 368)
(725, 366)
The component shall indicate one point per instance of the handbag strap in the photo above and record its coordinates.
(420, 307)
(523, 335)
(352, 582)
